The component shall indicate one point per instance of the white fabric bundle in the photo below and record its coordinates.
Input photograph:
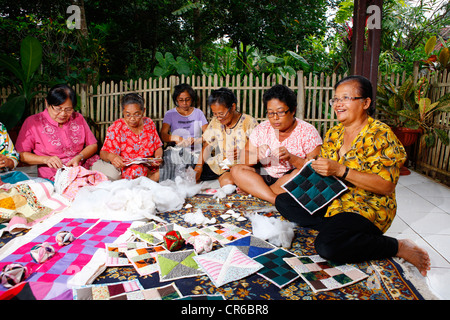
(133, 199)
(276, 231)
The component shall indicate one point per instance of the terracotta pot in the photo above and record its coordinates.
(407, 137)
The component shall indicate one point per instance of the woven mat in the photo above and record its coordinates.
(385, 281)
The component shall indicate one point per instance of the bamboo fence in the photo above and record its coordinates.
(101, 104)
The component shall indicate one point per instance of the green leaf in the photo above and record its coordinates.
(11, 111)
(13, 66)
(443, 136)
(298, 57)
(429, 46)
(30, 55)
(273, 59)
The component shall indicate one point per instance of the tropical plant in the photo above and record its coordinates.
(438, 59)
(25, 81)
(409, 106)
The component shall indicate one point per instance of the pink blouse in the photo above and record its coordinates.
(41, 135)
(303, 140)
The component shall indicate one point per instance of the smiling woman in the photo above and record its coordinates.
(277, 148)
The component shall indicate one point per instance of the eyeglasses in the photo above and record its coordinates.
(60, 110)
(278, 113)
(221, 116)
(344, 100)
(136, 115)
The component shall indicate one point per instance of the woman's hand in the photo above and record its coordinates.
(198, 172)
(53, 162)
(75, 161)
(185, 142)
(281, 153)
(5, 162)
(116, 161)
(327, 167)
(263, 151)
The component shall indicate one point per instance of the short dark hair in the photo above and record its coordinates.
(59, 93)
(133, 98)
(365, 89)
(282, 93)
(180, 88)
(222, 96)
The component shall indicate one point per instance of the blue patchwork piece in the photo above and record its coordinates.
(313, 191)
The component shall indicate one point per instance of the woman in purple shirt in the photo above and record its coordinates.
(58, 136)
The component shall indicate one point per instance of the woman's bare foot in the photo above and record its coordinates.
(412, 253)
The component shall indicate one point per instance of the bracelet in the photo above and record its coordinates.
(347, 169)
(82, 157)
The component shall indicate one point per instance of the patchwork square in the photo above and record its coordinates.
(276, 270)
(322, 275)
(203, 297)
(144, 233)
(252, 246)
(225, 233)
(313, 191)
(168, 292)
(144, 259)
(177, 265)
(226, 265)
(115, 253)
(105, 291)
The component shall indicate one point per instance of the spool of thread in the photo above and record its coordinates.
(13, 274)
(42, 252)
(63, 238)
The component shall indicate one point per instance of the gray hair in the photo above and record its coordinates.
(133, 98)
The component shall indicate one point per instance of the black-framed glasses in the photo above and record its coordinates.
(278, 113)
(344, 100)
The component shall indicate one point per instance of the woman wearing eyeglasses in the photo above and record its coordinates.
(276, 148)
(133, 137)
(224, 138)
(58, 136)
(182, 130)
(367, 156)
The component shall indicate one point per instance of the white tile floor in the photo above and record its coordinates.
(423, 215)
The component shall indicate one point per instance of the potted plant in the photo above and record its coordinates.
(410, 112)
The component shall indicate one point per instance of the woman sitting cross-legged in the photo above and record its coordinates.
(224, 138)
(133, 137)
(367, 156)
(276, 147)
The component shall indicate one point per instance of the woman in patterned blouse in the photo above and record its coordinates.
(277, 148)
(131, 137)
(9, 158)
(367, 156)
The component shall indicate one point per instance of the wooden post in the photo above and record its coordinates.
(365, 62)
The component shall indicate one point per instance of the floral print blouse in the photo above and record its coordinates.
(376, 150)
(124, 142)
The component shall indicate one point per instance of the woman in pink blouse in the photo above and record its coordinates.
(58, 136)
(131, 137)
(276, 148)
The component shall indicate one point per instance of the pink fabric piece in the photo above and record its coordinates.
(79, 177)
(41, 135)
(303, 140)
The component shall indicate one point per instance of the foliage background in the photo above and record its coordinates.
(151, 38)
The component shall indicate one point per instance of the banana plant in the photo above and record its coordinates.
(25, 81)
